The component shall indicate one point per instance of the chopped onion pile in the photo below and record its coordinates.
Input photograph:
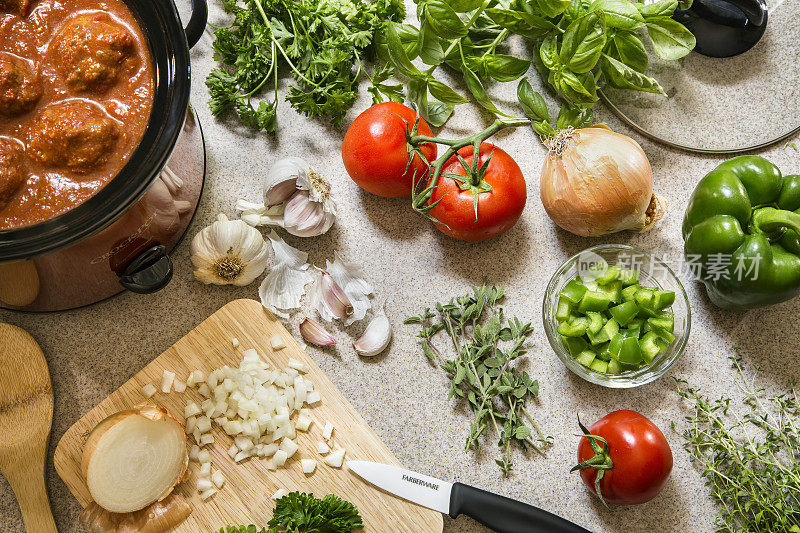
(260, 408)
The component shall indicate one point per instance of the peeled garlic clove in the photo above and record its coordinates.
(329, 298)
(228, 252)
(376, 337)
(313, 332)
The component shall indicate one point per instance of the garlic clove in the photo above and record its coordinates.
(376, 336)
(350, 277)
(313, 332)
(329, 299)
(281, 181)
(228, 252)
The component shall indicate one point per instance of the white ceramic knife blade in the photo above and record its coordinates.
(423, 490)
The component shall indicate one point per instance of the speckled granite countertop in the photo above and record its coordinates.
(92, 351)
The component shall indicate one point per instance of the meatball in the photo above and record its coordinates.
(20, 86)
(12, 170)
(75, 134)
(15, 7)
(92, 50)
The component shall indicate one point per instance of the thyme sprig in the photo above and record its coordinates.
(483, 372)
(750, 457)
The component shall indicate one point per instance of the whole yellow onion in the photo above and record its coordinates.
(595, 182)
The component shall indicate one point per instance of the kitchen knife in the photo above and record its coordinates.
(502, 514)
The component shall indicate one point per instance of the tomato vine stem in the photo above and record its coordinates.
(420, 198)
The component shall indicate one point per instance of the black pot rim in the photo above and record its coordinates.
(162, 27)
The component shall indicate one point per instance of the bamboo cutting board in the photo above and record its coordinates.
(246, 496)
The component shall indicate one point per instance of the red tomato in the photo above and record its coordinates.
(498, 208)
(375, 152)
(641, 456)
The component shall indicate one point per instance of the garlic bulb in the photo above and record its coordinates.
(228, 252)
(296, 198)
(595, 182)
(376, 337)
(284, 286)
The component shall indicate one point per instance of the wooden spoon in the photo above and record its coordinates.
(26, 414)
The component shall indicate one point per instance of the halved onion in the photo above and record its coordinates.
(134, 458)
(155, 518)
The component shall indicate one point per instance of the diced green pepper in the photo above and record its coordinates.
(564, 309)
(628, 292)
(613, 367)
(594, 301)
(574, 328)
(614, 345)
(611, 274)
(650, 346)
(664, 334)
(613, 289)
(585, 358)
(601, 352)
(596, 322)
(633, 331)
(663, 299)
(666, 323)
(573, 291)
(574, 345)
(624, 312)
(644, 298)
(629, 277)
(610, 328)
(630, 353)
(598, 365)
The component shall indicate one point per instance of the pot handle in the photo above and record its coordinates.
(151, 271)
(197, 24)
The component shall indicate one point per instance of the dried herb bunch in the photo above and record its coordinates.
(483, 371)
(750, 457)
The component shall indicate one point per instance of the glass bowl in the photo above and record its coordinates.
(652, 272)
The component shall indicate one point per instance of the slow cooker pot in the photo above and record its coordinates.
(120, 237)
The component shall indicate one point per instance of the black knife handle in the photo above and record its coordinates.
(505, 515)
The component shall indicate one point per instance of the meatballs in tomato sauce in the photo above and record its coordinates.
(93, 49)
(76, 134)
(15, 7)
(20, 86)
(12, 170)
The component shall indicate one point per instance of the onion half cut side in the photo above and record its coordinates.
(134, 458)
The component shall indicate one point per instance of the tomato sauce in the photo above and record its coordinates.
(76, 91)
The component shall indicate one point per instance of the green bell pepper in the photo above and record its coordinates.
(741, 233)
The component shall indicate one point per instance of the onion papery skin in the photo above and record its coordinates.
(597, 182)
(119, 435)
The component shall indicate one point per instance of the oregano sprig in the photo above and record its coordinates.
(483, 372)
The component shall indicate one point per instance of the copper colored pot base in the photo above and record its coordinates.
(90, 270)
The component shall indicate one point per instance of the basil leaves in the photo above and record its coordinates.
(576, 45)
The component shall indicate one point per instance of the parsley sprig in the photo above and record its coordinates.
(298, 512)
(750, 458)
(320, 42)
(483, 373)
